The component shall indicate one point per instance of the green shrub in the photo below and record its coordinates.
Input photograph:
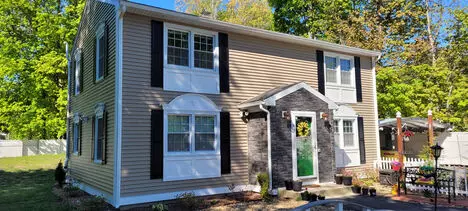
(189, 201)
(159, 207)
(264, 181)
(60, 174)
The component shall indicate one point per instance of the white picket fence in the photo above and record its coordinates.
(461, 179)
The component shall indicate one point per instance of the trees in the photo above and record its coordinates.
(255, 13)
(33, 67)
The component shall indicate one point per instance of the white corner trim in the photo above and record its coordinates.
(272, 100)
(94, 191)
(119, 11)
(129, 200)
(376, 108)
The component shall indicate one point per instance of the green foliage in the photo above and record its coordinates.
(189, 201)
(33, 67)
(254, 13)
(160, 207)
(426, 154)
(264, 181)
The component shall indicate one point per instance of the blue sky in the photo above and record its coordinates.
(166, 4)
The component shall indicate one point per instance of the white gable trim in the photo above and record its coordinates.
(271, 101)
(192, 102)
(345, 111)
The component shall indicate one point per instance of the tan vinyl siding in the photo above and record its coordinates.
(81, 167)
(256, 65)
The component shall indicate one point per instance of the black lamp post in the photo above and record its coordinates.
(436, 150)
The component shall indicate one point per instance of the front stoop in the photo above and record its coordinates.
(329, 190)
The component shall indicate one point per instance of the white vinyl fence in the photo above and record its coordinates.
(12, 148)
(460, 174)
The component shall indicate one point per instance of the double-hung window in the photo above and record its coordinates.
(77, 65)
(340, 78)
(100, 52)
(76, 133)
(191, 59)
(99, 133)
(348, 134)
(191, 133)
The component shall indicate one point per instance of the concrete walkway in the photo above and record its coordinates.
(386, 203)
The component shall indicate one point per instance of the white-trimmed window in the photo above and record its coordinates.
(347, 152)
(77, 64)
(191, 59)
(99, 133)
(340, 78)
(191, 138)
(348, 133)
(336, 126)
(76, 133)
(100, 52)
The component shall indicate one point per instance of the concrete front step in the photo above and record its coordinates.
(329, 190)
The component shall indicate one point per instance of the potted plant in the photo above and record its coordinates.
(356, 188)
(297, 185)
(347, 178)
(305, 196)
(396, 165)
(289, 184)
(339, 179)
(365, 190)
(372, 191)
(321, 197)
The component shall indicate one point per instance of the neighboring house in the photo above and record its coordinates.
(164, 102)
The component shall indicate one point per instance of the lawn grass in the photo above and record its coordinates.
(26, 183)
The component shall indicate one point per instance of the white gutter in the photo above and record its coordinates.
(67, 155)
(376, 112)
(269, 145)
(184, 18)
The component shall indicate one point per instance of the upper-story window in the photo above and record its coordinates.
(191, 60)
(101, 46)
(340, 78)
(78, 76)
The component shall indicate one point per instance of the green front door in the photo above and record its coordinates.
(304, 146)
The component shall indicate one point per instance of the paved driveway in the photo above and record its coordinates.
(388, 204)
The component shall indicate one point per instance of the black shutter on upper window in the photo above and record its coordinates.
(223, 62)
(320, 72)
(157, 54)
(94, 60)
(81, 71)
(225, 133)
(157, 152)
(357, 70)
(362, 146)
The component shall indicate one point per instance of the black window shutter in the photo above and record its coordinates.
(223, 63)
(320, 72)
(157, 54)
(94, 60)
(73, 75)
(157, 152)
(362, 146)
(104, 139)
(93, 126)
(357, 69)
(105, 49)
(225, 142)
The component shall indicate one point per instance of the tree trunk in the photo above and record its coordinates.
(429, 32)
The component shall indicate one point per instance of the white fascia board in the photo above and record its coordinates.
(251, 104)
(272, 100)
(156, 12)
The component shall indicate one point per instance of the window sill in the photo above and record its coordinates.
(75, 154)
(195, 154)
(97, 161)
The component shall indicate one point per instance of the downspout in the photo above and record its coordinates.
(68, 108)
(270, 186)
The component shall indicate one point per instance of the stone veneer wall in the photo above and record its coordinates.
(281, 151)
(258, 145)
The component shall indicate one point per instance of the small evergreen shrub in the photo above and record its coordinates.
(60, 174)
(264, 182)
(159, 207)
(189, 200)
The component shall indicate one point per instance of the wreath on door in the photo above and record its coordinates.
(303, 129)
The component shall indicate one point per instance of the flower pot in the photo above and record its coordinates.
(347, 180)
(365, 191)
(356, 189)
(305, 196)
(321, 197)
(288, 184)
(396, 166)
(372, 192)
(312, 197)
(339, 179)
(297, 185)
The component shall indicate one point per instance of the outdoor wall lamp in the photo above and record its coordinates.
(286, 115)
